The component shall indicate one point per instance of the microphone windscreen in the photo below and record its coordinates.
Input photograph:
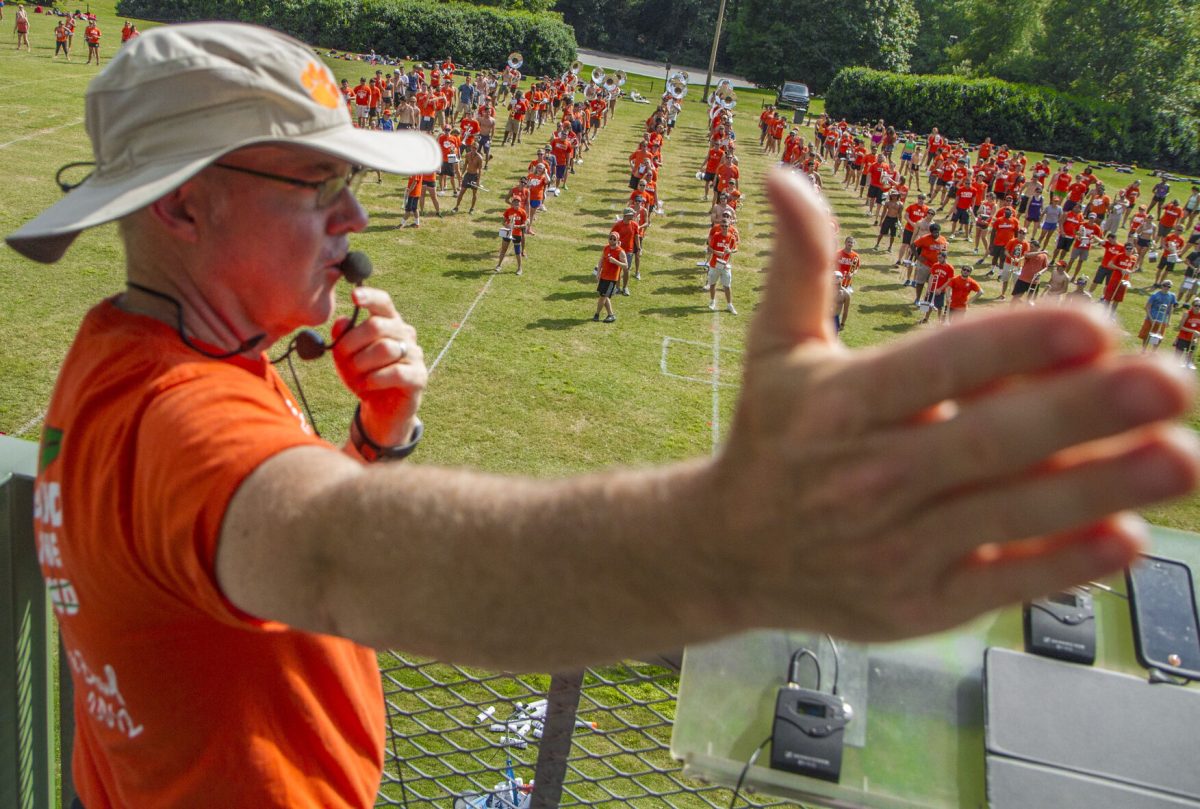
(356, 267)
(309, 345)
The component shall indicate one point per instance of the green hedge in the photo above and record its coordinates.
(1021, 115)
(479, 36)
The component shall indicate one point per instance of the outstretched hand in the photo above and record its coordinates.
(904, 489)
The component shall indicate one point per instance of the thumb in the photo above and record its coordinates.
(797, 302)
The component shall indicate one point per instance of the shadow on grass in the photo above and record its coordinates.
(464, 275)
(887, 307)
(675, 311)
(558, 323)
(482, 255)
(897, 327)
(685, 289)
(880, 287)
(571, 296)
(579, 279)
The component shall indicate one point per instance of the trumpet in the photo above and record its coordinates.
(515, 60)
(597, 75)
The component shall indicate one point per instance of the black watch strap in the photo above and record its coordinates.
(372, 452)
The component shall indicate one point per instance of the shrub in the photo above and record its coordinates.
(1023, 116)
(479, 36)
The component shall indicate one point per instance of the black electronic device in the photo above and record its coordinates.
(806, 737)
(356, 267)
(1162, 603)
(1063, 626)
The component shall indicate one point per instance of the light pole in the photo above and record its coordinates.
(712, 56)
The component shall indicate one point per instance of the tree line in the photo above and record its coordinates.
(1145, 53)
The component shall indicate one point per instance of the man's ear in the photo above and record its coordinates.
(176, 211)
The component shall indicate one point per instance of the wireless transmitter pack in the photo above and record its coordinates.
(1062, 626)
(806, 737)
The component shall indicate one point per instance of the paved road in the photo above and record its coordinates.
(644, 67)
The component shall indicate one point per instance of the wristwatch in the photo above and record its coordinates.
(372, 452)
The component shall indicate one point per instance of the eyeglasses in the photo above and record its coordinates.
(327, 189)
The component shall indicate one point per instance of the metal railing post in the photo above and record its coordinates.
(562, 704)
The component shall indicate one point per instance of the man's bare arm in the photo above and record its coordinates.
(984, 488)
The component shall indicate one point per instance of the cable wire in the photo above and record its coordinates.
(749, 763)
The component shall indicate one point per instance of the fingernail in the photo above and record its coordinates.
(359, 295)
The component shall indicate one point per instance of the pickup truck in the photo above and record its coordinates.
(792, 95)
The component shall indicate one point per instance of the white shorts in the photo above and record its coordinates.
(720, 275)
(1006, 271)
(363, 110)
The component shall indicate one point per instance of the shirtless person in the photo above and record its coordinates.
(472, 168)
(892, 207)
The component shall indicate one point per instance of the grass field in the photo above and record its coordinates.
(522, 380)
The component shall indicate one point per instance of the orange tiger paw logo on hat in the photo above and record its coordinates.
(320, 85)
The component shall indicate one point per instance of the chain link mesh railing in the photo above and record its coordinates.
(446, 750)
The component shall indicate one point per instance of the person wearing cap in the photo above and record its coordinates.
(961, 288)
(1112, 251)
(1160, 306)
(926, 248)
(940, 276)
(222, 574)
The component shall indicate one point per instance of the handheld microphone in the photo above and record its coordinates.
(355, 268)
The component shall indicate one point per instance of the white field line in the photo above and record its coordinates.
(41, 132)
(29, 425)
(662, 363)
(461, 323)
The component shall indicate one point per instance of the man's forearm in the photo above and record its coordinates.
(539, 572)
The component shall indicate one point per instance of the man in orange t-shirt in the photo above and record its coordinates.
(512, 231)
(961, 286)
(630, 235)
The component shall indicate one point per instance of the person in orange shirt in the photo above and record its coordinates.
(1171, 254)
(1014, 256)
(927, 249)
(1029, 278)
(375, 103)
(362, 102)
(1004, 230)
(91, 35)
(1171, 212)
(1087, 235)
(722, 244)
(450, 144)
(1189, 332)
(940, 275)
(629, 234)
(538, 182)
(961, 286)
(728, 170)
(613, 262)
(412, 201)
(712, 162)
(1070, 224)
(61, 41)
(846, 263)
(512, 232)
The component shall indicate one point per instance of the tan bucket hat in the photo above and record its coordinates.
(179, 97)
